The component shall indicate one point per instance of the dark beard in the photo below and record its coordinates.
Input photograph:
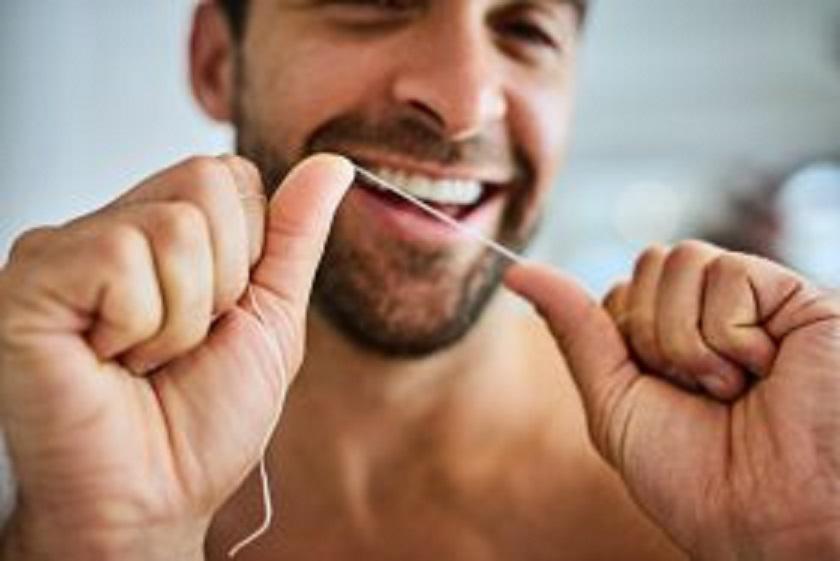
(365, 301)
(396, 299)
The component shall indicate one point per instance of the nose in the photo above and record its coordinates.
(454, 78)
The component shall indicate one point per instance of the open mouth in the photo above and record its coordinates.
(456, 197)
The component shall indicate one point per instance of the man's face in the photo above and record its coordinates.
(464, 103)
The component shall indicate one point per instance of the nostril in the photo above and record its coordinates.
(427, 113)
(458, 106)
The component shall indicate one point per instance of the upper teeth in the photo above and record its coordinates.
(443, 191)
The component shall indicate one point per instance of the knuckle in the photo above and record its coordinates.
(688, 252)
(685, 251)
(207, 179)
(203, 169)
(243, 167)
(693, 247)
(123, 248)
(180, 224)
(725, 265)
(650, 255)
(203, 180)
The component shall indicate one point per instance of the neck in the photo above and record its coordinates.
(361, 382)
(358, 424)
(377, 405)
(353, 415)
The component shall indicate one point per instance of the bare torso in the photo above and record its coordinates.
(510, 477)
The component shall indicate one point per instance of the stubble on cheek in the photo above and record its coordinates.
(397, 299)
(384, 294)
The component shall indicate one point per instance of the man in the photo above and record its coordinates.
(146, 348)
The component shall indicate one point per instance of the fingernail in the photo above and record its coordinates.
(717, 385)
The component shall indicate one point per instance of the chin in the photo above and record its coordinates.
(405, 306)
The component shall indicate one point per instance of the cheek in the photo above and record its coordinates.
(290, 95)
(540, 123)
(551, 118)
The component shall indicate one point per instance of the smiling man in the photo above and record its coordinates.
(146, 349)
(464, 104)
(429, 434)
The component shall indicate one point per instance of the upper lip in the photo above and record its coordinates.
(488, 175)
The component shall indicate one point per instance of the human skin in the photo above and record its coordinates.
(496, 77)
(479, 451)
(751, 475)
(310, 62)
(121, 402)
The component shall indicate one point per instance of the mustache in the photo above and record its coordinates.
(408, 135)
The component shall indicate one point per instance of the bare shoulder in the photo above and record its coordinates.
(593, 516)
(543, 361)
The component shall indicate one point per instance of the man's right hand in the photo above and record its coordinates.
(131, 415)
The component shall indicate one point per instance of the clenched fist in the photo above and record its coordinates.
(711, 382)
(138, 383)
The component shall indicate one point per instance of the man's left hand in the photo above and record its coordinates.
(711, 383)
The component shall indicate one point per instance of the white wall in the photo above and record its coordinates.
(94, 97)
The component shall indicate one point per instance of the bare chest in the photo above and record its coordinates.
(519, 513)
(428, 520)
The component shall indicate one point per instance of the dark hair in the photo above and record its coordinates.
(236, 12)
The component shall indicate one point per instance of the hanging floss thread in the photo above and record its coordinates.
(375, 181)
(265, 484)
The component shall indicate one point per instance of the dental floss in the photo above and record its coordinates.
(268, 508)
(443, 217)
(268, 514)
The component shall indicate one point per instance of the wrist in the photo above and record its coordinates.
(814, 543)
(30, 538)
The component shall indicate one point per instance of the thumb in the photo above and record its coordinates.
(589, 340)
(299, 219)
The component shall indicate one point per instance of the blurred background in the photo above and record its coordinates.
(717, 119)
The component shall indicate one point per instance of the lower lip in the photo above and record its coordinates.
(408, 222)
